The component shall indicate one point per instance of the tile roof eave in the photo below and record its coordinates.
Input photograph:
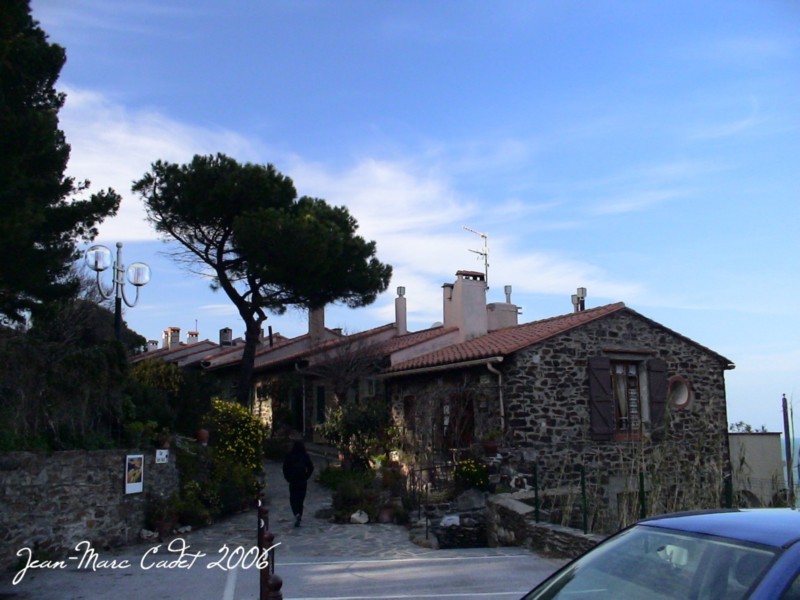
(442, 367)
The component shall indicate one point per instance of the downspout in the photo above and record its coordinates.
(492, 369)
(303, 416)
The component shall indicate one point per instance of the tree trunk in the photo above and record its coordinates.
(252, 338)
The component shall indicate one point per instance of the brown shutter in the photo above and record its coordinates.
(657, 390)
(601, 398)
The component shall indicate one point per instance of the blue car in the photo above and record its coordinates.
(709, 555)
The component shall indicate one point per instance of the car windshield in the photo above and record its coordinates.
(654, 563)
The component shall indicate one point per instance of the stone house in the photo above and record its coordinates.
(605, 391)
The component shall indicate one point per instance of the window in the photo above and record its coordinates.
(627, 396)
(320, 404)
(680, 392)
(793, 593)
(624, 395)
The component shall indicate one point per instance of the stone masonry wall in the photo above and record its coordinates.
(547, 410)
(510, 523)
(547, 422)
(51, 502)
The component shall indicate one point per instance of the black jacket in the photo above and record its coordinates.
(297, 466)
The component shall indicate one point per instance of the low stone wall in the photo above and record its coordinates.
(50, 502)
(510, 522)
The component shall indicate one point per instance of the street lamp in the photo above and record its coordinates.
(98, 259)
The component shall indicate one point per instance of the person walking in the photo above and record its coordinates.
(297, 469)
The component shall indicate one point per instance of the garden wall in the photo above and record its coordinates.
(51, 502)
(510, 522)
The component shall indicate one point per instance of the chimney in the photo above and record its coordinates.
(465, 305)
(502, 314)
(152, 345)
(316, 324)
(579, 300)
(226, 336)
(192, 337)
(400, 315)
(171, 337)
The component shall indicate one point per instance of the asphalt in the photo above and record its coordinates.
(318, 560)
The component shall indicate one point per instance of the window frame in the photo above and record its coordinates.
(603, 404)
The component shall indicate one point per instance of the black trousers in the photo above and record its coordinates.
(297, 495)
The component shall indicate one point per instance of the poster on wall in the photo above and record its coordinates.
(134, 473)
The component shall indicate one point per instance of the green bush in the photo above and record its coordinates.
(470, 473)
(225, 476)
(352, 491)
(236, 434)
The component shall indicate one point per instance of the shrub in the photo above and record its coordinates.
(352, 491)
(470, 473)
(237, 435)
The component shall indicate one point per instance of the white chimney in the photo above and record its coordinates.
(226, 336)
(152, 345)
(171, 337)
(400, 315)
(465, 305)
(502, 314)
(192, 337)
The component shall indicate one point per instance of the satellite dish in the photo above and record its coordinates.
(437, 324)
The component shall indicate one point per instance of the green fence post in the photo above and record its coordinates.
(642, 497)
(536, 492)
(728, 492)
(584, 507)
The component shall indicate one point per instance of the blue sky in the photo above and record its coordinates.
(649, 152)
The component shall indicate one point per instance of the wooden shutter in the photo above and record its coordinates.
(601, 399)
(657, 392)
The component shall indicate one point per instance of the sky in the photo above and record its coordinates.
(647, 151)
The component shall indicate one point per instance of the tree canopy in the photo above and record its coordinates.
(244, 226)
(42, 220)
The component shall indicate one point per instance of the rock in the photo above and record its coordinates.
(450, 521)
(359, 518)
(471, 500)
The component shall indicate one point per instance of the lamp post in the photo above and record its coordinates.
(98, 259)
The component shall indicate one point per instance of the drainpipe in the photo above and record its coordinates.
(492, 369)
(303, 416)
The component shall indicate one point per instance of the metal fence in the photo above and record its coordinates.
(575, 500)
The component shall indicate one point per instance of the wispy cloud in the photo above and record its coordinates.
(410, 207)
(635, 201)
(724, 129)
(113, 147)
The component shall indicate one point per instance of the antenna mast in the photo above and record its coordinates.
(484, 252)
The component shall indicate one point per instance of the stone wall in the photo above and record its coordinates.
(547, 409)
(50, 502)
(510, 522)
(460, 523)
(545, 395)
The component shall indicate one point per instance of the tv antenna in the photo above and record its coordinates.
(483, 252)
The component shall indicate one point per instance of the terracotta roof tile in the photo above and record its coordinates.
(506, 341)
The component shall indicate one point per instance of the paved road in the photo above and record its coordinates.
(319, 560)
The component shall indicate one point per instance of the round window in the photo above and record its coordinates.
(680, 393)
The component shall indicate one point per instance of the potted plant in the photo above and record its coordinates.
(162, 438)
(490, 441)
(161, 514)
